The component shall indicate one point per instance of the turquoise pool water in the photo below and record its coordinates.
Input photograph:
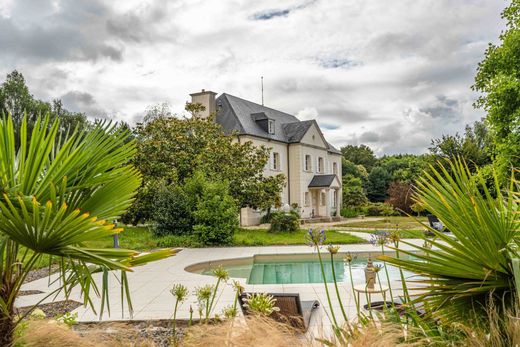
(301, 269)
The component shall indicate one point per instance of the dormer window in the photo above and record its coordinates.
(270, 126)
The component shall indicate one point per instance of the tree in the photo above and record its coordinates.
(475, 147)
(353, 192)
(172, 148)
(17, 101)
(403, 167)
(57, 197)
(400, 196)
(378, 182)
(498, 79)
(361, 154)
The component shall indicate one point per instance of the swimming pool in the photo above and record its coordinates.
(295, 269)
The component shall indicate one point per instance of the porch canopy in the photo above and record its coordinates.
(325, 181)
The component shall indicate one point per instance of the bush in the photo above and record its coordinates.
(172, 212)
(349, 212)
(286, 222)
(380, 209)
(216, 217)
(400, 196)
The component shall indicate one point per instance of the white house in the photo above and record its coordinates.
(299, 150)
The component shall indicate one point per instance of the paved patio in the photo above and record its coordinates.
(150, 285)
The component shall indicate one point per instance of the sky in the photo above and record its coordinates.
(389, 74)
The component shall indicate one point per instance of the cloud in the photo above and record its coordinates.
(273, 13)
(83, 102)
(391, 76)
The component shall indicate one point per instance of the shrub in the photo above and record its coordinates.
(349, 212)
(216, 216)
(380, 209)
(287, 222)
(172, 212)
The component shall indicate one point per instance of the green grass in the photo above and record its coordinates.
(388, 223)
(405, 234)
(141, 238)
(261, 237)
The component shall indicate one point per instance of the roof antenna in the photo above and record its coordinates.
(262, 82)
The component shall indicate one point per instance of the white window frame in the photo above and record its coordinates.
(275, 164)
(323, 198)
(270, 126)
(335, 168)
(305, 161)
(320, 165)
(306, 199)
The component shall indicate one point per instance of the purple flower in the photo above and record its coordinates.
(379, 238)
(315, 238)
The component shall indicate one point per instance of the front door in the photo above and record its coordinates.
(315, 203)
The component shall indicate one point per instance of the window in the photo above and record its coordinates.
(308, 163)
(320, 165)
(270, 126)
(276, 161)
(306, 199)
(335, 168)
(323, 198)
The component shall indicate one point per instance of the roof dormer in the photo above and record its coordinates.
(264, 122)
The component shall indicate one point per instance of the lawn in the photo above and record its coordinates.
(404, 234)
(141, 238)
(389, 223)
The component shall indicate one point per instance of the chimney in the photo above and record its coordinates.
(206, 99)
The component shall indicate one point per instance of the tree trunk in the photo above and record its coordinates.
(6, 331)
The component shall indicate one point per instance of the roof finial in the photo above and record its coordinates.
(262, 83)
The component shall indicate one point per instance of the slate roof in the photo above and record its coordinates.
(241, 116)
(320, 181)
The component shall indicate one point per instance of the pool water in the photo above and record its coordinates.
(303, 269)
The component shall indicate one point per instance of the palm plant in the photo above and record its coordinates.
(56, 195)
(463, 272)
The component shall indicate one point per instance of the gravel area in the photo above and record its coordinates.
(29, 292)
(158, 331)
(54, 309)
(40, 273)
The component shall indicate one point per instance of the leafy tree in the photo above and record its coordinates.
(353, 192)
(57, 197)
(173, 148)
(16, 100)
(474, 147)
(360, 155)
(403, 167)
(173, 212)
(215, 216)
(378, 181)
(498, 79)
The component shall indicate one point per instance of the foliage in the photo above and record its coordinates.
(359, 155)
(417, 208)
(378, 182)
(173, 212)
(400, 196)
(172, 148)
(498, 79)
(353, 192)
(475, 147)
(349, 212)
(16, 100)
(466, 272)
(380, 209)
(403, 167)
(216, 215)
(57, 196)
(284, 222)
(261, 303)
(68, 318)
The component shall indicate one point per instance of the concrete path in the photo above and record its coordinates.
(150, 285)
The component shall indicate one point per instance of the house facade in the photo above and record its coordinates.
(311, 165)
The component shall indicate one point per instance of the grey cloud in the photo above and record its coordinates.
(443, 108)
(332, 63)
(74, 31)
(369, 136)
(78, 101)
(273, 13)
